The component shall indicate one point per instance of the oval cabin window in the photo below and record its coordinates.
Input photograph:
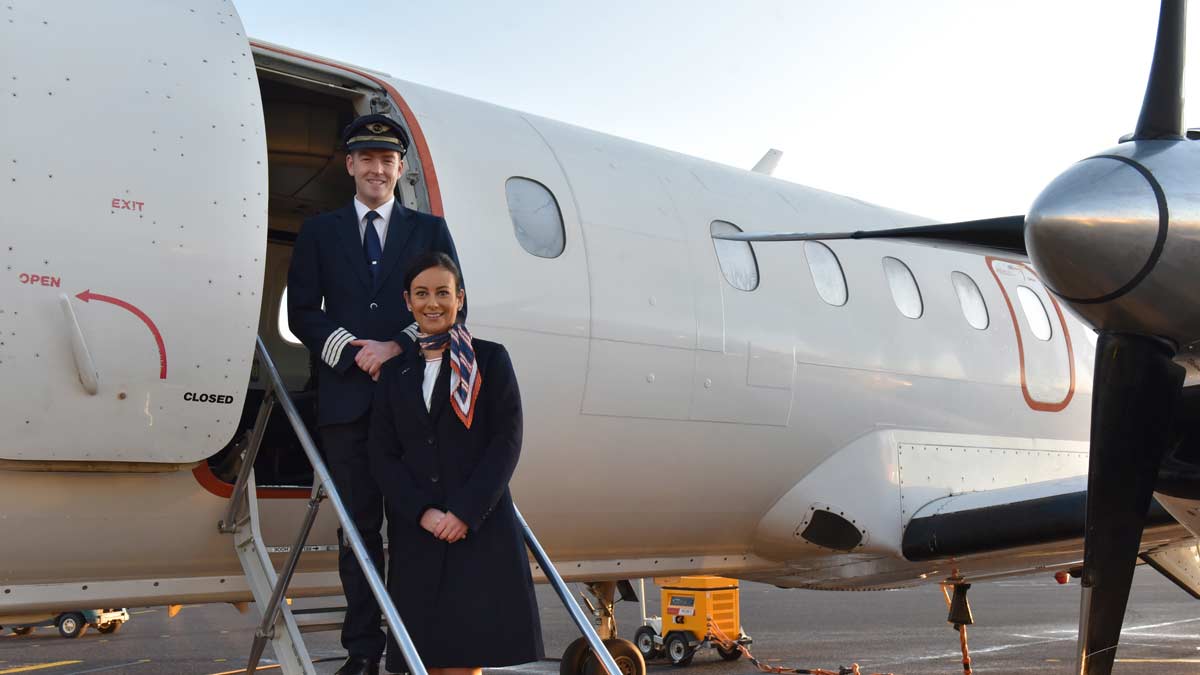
(1035, 313)
(904, 288)
(537, 220)
(826, 273)
(970, 300)
(736, 258)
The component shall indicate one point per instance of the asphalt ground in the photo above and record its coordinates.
(1022, 626)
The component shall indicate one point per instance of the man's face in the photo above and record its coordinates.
(375, 174)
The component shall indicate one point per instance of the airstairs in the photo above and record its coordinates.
(279, 624)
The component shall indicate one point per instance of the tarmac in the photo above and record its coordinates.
(1023, 625)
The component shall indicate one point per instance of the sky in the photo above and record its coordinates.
(947, 109)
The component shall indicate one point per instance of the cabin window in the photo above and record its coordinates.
(971, 300)
(736, 258)
(1035, 313)
(903, 285)
(826, 273)
(537, 220)
(284, 331)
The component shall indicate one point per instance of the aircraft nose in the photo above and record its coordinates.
(1092, 233)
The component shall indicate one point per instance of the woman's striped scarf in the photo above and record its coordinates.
(465, 378)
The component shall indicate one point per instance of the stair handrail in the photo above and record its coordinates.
(568, 599)
(323, 479)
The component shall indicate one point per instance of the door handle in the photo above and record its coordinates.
(89, 377)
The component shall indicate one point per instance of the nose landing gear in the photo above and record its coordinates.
(578, 659)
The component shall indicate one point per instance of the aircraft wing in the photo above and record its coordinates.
(1023, 515)
(1181, 565)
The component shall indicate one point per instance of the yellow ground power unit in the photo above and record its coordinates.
(688, 606)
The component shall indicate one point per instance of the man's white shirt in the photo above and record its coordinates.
(381, 223)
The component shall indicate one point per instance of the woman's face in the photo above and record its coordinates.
(435, 300)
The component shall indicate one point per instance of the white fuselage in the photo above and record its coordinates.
(673, 423)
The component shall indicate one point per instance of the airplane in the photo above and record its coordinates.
(698, 398)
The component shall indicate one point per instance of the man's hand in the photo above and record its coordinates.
(431, 519)
(450, 529)
(374, 354)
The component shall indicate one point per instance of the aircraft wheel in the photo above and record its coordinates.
(22, 630)
(625, 653)
(729, 655)
(644, 639)
(71, 625)
(677, 649)
(573, 657)
(110, 627)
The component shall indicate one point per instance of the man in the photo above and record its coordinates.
(353, 259)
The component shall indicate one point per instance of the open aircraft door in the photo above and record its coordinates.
(134, 229)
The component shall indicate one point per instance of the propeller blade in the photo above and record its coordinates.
(1135, 390)
(1006, 233)
(1162, 107)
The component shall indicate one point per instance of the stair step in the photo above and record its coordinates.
(319, 619)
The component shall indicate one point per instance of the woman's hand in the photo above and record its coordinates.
(450, 529)
(431, 520)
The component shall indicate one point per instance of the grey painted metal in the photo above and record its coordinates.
(290, 650)
(233, 514)
(1118, 237)
(270, 613)
(642, 599)
(349, 530)
(564, 593)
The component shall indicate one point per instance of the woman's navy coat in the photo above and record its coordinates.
(470, 603)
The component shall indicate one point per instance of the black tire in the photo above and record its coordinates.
(677, 649)
(110, 627)
(573, 657)
(71, 625)
(731, 655)
(22, 630)
(643, 639)
(625, 653)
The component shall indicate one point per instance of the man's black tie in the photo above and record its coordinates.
(372, 247)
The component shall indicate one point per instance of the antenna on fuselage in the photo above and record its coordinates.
(768, 162)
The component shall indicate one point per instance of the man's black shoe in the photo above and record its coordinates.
(359, 665)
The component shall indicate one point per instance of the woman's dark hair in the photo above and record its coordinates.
(430, 259)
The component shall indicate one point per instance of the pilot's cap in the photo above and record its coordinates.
(375, 131)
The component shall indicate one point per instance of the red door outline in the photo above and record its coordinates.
(1041, 406)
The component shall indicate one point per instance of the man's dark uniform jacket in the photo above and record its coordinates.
(328, 264)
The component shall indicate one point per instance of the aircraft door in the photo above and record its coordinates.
(133, 239)
(1047, 361)
(643, 320)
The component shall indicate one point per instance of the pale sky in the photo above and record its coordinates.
(949, 109)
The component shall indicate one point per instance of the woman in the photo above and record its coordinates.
(444, 441)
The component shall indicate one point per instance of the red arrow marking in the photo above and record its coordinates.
(88, 295)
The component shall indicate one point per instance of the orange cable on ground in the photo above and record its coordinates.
(729, 644)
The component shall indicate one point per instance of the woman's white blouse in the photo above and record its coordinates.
(432, 368)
